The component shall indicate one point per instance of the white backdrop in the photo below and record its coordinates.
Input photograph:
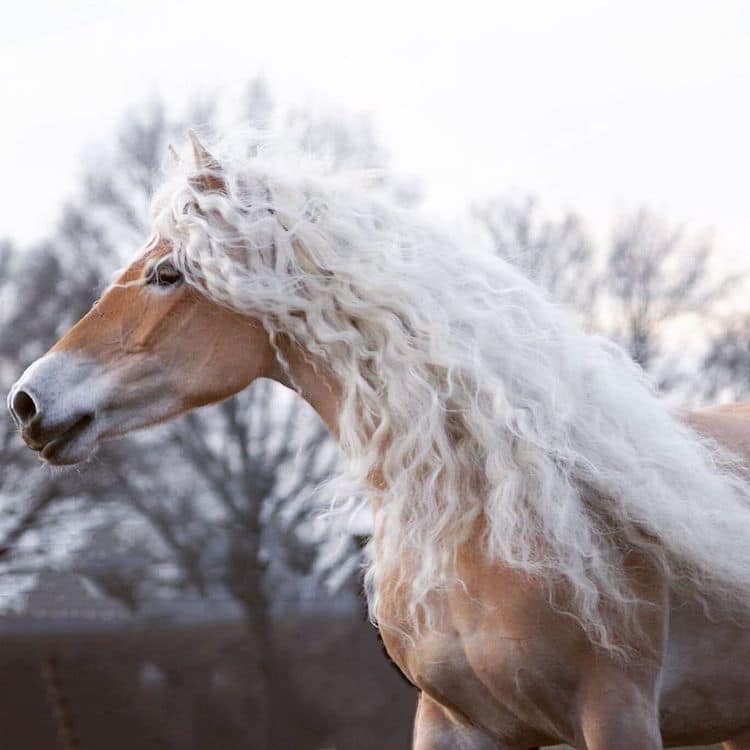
(594, 106)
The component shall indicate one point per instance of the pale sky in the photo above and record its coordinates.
(594, 106)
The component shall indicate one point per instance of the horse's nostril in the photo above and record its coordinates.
(23, 407)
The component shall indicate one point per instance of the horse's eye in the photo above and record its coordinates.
(164, 274)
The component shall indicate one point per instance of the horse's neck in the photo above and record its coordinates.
(312, 380)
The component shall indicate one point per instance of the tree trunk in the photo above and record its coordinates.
(261, 692)
(66, 733)
(244, 578)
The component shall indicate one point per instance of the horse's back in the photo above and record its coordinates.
(728, 424)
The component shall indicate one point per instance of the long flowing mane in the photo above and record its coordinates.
(478, 402)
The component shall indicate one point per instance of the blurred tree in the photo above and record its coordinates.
(726, 364)
(556, 253)
(658, 277)
(221, 494)
(639, 290)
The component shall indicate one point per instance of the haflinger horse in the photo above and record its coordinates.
(556, 557)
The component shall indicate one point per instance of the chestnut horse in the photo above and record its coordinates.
(556, 558)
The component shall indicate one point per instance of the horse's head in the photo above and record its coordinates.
(151, 348)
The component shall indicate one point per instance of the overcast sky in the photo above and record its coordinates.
(595, 106)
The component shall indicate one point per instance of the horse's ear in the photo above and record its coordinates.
(210, 177)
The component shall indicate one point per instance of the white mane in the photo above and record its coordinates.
(477, 399)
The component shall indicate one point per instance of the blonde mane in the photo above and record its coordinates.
(475, 398)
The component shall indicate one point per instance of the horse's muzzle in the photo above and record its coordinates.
(53, 408)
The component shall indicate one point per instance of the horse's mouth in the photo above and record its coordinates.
(67, 448)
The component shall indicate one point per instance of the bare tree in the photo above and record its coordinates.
(726, 364)
(556, 253)
(222, 492)
(657, 275)
(637, 290)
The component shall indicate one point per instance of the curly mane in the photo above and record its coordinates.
(474, 397)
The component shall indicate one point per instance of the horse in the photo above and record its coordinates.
(556, 556)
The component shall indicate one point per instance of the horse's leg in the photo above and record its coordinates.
(618, 699)
(617, 714)
(439, 728)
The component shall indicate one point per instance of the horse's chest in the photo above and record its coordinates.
(495, 679)
(495, 651)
